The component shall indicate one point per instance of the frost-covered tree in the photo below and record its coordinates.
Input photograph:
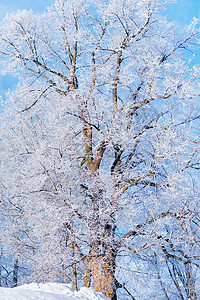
(100, 150)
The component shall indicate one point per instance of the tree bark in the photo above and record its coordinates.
(15, 273)
(102, 265)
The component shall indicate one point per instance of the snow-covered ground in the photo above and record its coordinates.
(48, 291)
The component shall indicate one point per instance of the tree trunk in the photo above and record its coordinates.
(190, 282)
(1, 254)
(102, 266)
(102, 252)
(15, 273)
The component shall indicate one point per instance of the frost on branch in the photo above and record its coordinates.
(100, 148)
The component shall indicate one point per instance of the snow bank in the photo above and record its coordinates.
(48, 291)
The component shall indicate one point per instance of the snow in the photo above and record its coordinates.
(48, 291)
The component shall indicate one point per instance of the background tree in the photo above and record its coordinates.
(100, 160)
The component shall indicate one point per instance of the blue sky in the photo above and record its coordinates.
(184, 10)
(181, 12)
(7, 6)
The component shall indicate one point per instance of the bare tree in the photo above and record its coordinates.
(101, 160)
